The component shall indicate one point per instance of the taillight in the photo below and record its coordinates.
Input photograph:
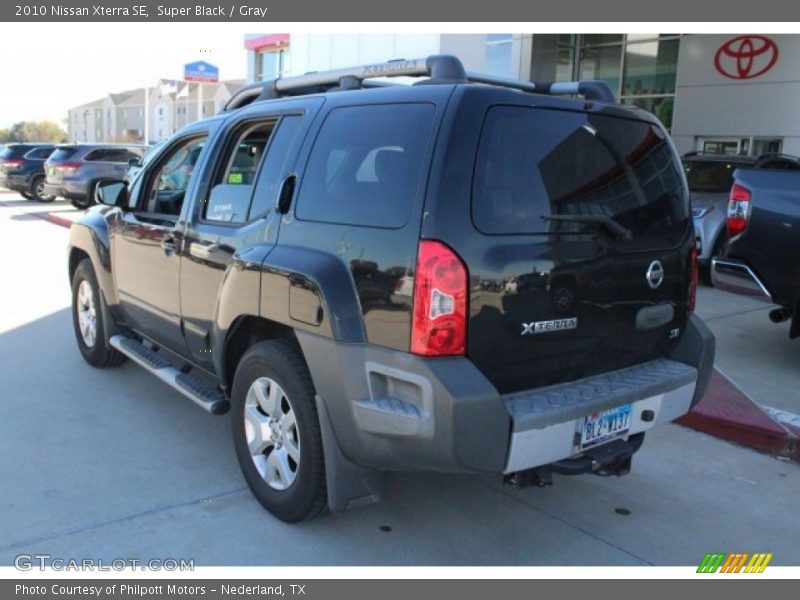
(12, 164)
(692, 296)
(69, 167)
(738, 210)
(439, 325)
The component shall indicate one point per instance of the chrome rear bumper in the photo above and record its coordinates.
(736, 277)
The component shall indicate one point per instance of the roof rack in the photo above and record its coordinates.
(441, 69)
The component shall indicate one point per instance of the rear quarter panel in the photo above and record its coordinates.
(771, 242)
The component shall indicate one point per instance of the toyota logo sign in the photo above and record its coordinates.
(746, 57)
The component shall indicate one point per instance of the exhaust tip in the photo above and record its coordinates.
(779, 315)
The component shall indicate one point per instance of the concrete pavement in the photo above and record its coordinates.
(110, 463)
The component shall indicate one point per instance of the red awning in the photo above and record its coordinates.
(272, 40)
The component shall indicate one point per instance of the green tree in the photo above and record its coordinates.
(33, 131)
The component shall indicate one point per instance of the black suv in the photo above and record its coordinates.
(468, 274)
(22, 170)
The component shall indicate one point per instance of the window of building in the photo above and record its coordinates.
(271, 64)
(124, 113)
(140, 112)
(640, 68)
(160, 111)
(367, 175)
(499, 50)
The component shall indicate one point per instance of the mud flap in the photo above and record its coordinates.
(349, 485)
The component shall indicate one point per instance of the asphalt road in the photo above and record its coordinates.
(113, 464)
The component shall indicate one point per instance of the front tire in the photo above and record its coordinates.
(87, 319)
(276, 431)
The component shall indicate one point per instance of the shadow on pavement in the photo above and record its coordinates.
(110, 463)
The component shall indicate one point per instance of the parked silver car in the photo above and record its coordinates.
(710, 177)
(73, 170)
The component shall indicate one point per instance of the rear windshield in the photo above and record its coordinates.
(711, 176)
(533, 163)
(14, 151)
(63, 153)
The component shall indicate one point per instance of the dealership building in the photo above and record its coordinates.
(715, 93)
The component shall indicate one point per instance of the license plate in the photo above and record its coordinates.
(605, 426)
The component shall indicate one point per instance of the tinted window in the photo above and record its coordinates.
(63, 153)
(40, 153)
(118, 155)
(14, 151)
(534, 162)
(366, 165)
(711, 175)
(275, 166)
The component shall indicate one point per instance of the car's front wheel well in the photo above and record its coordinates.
(76, 255)
(246, 331)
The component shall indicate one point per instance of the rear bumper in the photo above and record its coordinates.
(737, 277)
(66, 189)
(394, 411)
(15, 182)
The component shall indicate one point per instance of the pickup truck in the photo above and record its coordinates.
(762, 257)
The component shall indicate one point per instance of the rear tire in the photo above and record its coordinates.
(276, 431)
(37, 190)
(87, 319)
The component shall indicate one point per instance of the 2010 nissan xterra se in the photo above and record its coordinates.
(466, 274)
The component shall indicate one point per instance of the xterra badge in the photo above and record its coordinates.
(548, 326)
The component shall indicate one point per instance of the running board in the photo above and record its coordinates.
(199, 392)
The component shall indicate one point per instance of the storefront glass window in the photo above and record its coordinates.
(650, 67)
(660, 106)
(602, 63)
(640, 68)
(271, 64)
(498, 54)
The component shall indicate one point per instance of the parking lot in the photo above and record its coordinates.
(111, 463)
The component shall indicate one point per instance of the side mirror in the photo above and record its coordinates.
(111, 193)
(134, 162)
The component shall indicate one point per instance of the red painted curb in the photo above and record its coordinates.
(63, 221)
(726, 412)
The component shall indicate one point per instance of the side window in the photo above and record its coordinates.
(366, 165)
(99, 155)
(167, 186)
(229, 198)
(275, 166)
(41, 153)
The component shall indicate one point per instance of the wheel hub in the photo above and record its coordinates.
(87, 315)
(273, 438)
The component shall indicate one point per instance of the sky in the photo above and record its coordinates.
(48, 68)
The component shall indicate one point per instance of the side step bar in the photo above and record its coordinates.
(199, 392)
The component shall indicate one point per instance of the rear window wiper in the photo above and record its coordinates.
(607, 223)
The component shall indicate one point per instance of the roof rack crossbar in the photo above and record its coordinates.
(590, 89)
(441, 68)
